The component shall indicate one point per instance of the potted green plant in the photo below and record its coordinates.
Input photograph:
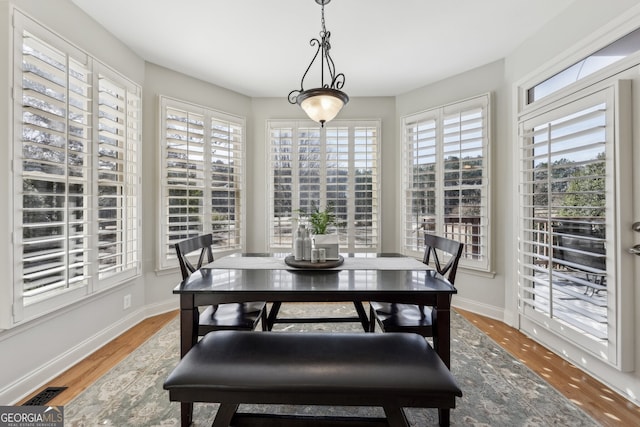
(319, 220)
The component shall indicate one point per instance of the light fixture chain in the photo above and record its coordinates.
(323, 103)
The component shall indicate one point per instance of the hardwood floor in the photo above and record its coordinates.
(604, 405)
(596, 399)
(85, 373)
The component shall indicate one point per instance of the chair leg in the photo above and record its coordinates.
(372, 319)
(273, 314)
(362, 314)
(263, 319)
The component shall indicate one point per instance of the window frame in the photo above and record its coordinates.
(412, 243)
(129, 125)
(166, 257)
(346, 233)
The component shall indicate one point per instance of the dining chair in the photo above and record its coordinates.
(395, 317)
(240, 316)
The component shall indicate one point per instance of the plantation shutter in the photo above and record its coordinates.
(226, 182)
(202, 177)
(118, 140)
(53, 248)
(285, 196)
(564, 199)
(420, 179)
(365, 190)
(446, 189)
(75, 169)
(310, 169)
(315, 167)
(184, 168)
(464, 146)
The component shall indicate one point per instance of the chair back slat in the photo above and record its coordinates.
(450, 247)
(184, 248)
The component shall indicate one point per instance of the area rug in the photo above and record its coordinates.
(498, 390)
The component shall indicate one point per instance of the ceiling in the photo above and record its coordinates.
(260, 48)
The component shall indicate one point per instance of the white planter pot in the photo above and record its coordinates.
(328, 242)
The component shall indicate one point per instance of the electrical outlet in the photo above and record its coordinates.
(127, 301)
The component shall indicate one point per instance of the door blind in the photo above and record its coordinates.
(564, 199)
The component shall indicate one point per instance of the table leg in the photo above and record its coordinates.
(189, 318)
(442, 336)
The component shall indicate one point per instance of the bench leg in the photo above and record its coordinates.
(396, 416)
(225, 413)
(443, 417)
(186, 414)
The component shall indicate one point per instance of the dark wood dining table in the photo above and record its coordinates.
(361, 278)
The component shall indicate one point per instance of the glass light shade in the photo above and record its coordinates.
(322, 104)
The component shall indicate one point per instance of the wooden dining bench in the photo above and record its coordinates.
(391, 370)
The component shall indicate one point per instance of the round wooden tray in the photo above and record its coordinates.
(291, 261)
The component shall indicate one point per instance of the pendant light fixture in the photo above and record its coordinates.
(323, 103)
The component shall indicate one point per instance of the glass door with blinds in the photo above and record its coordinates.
(569, 220)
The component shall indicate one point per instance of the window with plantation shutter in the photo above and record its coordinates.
(445, 186)
(76, 173)
(314, 167)
(202, 177)
(54, 169)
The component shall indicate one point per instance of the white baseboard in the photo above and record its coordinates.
(35, 379)
(490, 311)
(160, 308)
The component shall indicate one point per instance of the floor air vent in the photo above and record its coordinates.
(44, 396)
